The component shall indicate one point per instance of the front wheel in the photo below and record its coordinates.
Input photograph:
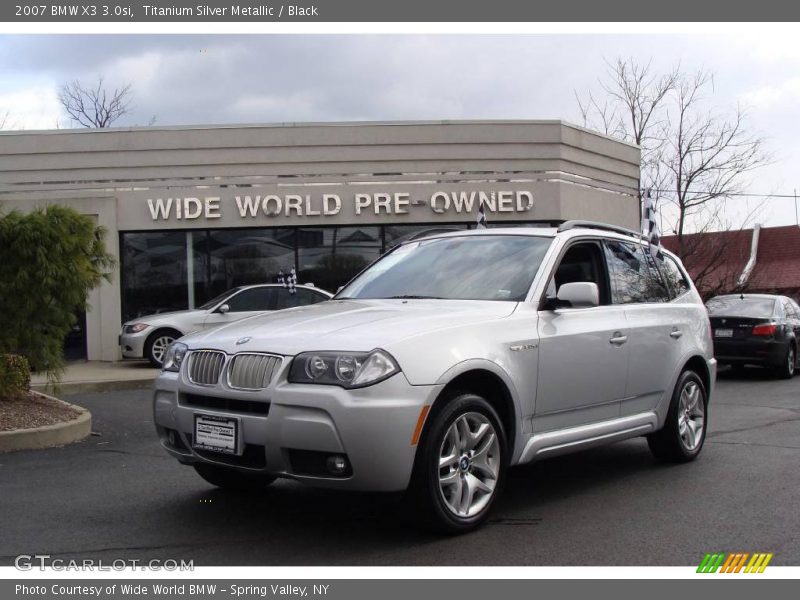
(460, 465)
(231, 479)
(155, 348)
(684, 432)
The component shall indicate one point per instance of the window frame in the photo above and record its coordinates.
(605, 275)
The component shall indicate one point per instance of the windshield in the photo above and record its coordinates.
(484, 267)
(735, 306)
(214, 301)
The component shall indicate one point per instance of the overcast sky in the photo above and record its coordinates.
(188, 79)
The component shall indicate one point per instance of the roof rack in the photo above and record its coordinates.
(574, 224)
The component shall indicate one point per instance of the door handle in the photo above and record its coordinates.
(618, 339)
(675, 334)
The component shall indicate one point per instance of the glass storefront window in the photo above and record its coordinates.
(153, 273)
(329, 257)
(246, 256)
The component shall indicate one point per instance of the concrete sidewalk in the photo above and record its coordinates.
(97, 376)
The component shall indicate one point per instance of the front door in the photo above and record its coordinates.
(583, 352)
(246, 303)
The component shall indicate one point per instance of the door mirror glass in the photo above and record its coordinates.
(579, 294)
(224, 308)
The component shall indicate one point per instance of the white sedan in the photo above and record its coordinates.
(150, 336)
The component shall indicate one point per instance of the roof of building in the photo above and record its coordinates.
(777, 264)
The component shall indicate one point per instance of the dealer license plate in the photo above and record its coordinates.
(217, 434)
(724, 333)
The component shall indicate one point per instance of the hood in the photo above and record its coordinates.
(158, 318)
(355, 325)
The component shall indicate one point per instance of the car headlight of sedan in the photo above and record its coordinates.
(135, 327)
(175, 355)
(346, 369)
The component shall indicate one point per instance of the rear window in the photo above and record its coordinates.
(736, 306)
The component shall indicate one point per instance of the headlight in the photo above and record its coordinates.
(346, 369)
(135, 327)
(174, 358)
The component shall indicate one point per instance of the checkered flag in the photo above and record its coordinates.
(481, 216)
(281, 278)
(291, 281)
(650, 226)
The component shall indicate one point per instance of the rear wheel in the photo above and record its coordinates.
(684, 432)
(460, 465)
(787, 368)
(231, 479)
(155, 348)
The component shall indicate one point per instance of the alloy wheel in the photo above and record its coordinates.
(469, 464)
(691, 416)
(160, 345)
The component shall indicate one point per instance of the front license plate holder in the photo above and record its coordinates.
(214, 433)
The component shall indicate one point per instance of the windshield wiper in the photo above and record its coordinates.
(414, 297)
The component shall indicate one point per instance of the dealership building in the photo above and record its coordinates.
(193, 211)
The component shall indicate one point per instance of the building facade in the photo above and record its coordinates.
(193, 211)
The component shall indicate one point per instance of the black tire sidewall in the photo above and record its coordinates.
(672, 415)
(427, 471)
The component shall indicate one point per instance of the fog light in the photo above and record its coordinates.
(337, 464)
(171, 438)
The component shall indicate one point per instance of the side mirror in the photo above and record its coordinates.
(579, 294)
(223, 309)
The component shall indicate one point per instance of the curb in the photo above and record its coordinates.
(89, 387)
(48, 436)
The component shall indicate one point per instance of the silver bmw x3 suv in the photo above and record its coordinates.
(445, 362)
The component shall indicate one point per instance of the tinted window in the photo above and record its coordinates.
(214, 301)
(675, 278)
(736, 306)
(629, 273)
(582, 262)
(258, 298)
(788, 309)
(657, 290)
(480, 267)
(301, 297)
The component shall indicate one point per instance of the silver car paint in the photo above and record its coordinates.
(571, 387)
(184, 322)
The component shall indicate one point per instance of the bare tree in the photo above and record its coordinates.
(693, 155)
(94, 106)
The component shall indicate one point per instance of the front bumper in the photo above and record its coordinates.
(132, 344)
(372, 427)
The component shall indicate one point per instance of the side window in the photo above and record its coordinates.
(253, 299)
(657, 290)
(629, 273)
(582, 262)
(675, 278)
(788, 309)
(795, 307)
(301, 297)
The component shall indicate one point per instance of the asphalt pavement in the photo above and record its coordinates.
(117, 495)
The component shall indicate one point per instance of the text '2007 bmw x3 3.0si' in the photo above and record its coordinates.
(448, 360)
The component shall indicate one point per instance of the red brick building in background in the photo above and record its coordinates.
(758, 260)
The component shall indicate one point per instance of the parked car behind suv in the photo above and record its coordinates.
(446, 361)
(149, 336)
(756, 329)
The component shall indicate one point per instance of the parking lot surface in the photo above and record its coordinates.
(117, 495)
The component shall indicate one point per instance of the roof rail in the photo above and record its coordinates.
(574, 224)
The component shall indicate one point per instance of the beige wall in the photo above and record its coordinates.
(413, 172)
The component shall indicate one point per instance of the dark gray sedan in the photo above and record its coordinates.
(756, 329)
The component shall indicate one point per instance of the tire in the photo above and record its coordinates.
(787, 368)
(458, 497)
(231, 479)
(157, 343)
(679, 440)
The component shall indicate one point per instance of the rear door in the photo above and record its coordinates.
(657, 325)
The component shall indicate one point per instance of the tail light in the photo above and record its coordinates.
(765, 330)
